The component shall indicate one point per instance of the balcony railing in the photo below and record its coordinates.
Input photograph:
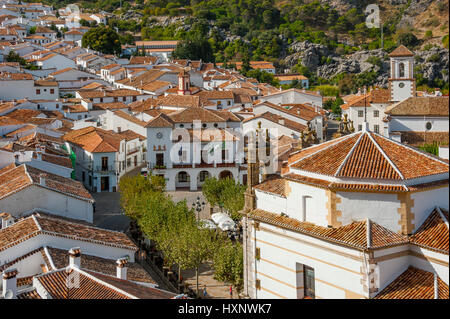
(107, 168)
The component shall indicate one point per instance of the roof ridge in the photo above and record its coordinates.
(442, 216)
(343, 138)
(98, 280)
(385, 156)
(349, 154)
(49, 257)
(418, 151)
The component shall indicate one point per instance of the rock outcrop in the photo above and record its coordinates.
(432, 64)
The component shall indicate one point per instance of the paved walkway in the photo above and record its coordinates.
(108, 213)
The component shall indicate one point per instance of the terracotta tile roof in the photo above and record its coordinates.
(109, 106)
(215, 95)
(183, 101)
(366, 161)
(129, 135)
(155, 85)
(209, 134)
(274, 185)
(94, 140)
(401, 51)
(143, 60)
(105, 266)
(6, 76)
(73, 31)
(433, 233)
(142, 79)
(55, 283)
(62, 71)
(411, 162)
(420, 106)
(20, 177)
(367, 155)
(92, 86)
(272, 117)
(353, 235)
(375, 96)
(32, 294)
(57, 160)
(40, 223)
(109, 93)
(6, 120)
(139, 291)
(130, 118)
(290, 77)
(414, 283)
(45, 82)
(302, 111)
(190, 114)
(162, 120)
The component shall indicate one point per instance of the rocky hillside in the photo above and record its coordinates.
(431, 64)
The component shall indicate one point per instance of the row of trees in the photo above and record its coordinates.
(176, 232)
(225, 193)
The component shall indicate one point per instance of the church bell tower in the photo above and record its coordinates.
(402, 83)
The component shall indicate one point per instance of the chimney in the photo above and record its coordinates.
(75, 257)
(42, 179)
(436, 286)
(122, 268)
(10, 284)
(7, 220)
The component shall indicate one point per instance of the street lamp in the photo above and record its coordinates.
(198, 207)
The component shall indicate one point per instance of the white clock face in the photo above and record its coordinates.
(159, 135)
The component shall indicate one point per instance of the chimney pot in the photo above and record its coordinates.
(7, 220)
(122, 268)
(75, 257)
(10, 283)
(436, 287)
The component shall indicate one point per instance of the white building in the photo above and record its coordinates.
(102, 157)
(185, 152)
(294, 115)
(348, 218)
(43, 191)
(294, 96)
(419, 120)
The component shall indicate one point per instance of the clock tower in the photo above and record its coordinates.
(184, 83)
(402, 83)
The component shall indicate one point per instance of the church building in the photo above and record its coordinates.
(354, 217)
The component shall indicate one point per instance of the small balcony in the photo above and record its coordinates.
(105, 169)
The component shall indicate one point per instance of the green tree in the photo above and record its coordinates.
(102, 39)
(232, 196)
(408, 39)
(194, 48)
(212, 190)
(229, 263)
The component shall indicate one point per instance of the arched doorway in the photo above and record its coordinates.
(202, 176)
(225, 174)
(182, 180)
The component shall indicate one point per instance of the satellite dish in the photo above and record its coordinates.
(9, 294)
